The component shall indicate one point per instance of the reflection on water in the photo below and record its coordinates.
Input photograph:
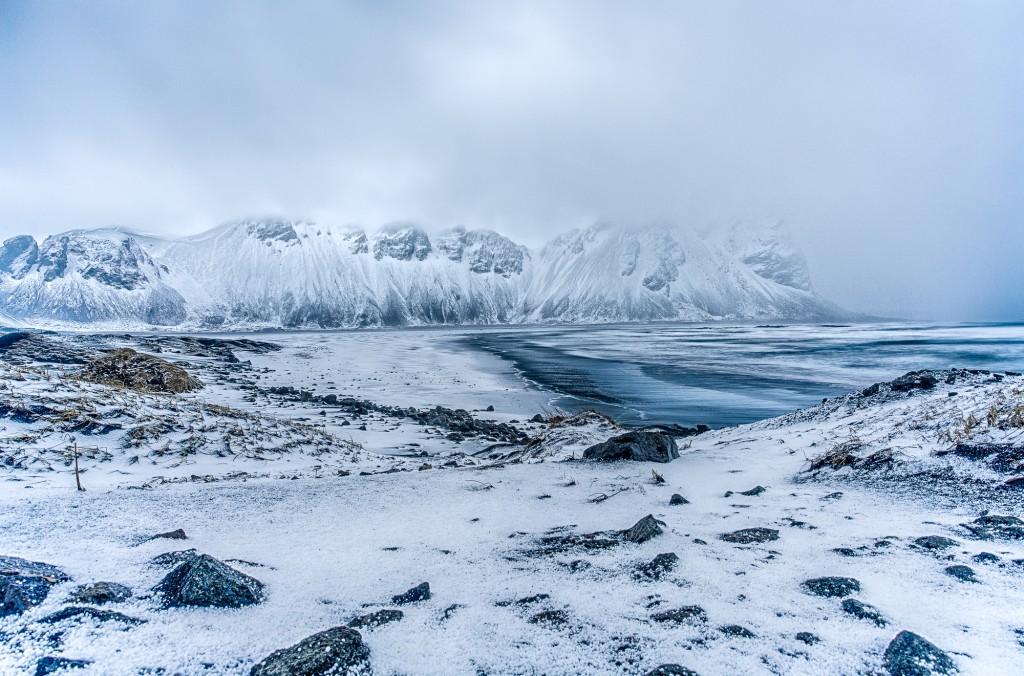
(725, 375)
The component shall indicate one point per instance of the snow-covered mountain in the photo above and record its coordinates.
(268, 273)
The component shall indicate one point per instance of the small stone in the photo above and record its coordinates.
(864, 611)
(178, 534)
(833, 496)
(680, 615)
(751, 535)
(962, 573)
(845, 551)
(644, 529)
(336, 651)
(671, 670)
(99, 593)
(756, 490)
(555, 618)
(537, 418)
(377, 619)
(807, 637)
(935, 542)
(831, 586)
(737, 631)
(661, 564)
(420, 592)
(78, 612)
(677, 499)
(910, 655)
(51, 665)
(490, 409)
(986, 557)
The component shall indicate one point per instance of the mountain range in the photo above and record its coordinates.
(266, 273)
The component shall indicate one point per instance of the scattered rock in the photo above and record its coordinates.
(377, 619)
(680, 615)
(833, 496)
(24, 583)
(661, 564)
(671, 670)
(962, 573)
(756, 490)
(174, 558)
(986, 557)
(638, 446)
(995, 527)
(807, 637)
(336, 651)
(78, 612)
(420, 592)
(555, 618)
(51, 665)
(178, 534)
(864, 611)
(644, 529)
(831, 586)
(677, 499)
(99, 593)
(204, 581)
(136, 371)
(845, 551)
(935, 542)
(737, 631)
(537, 418)
(910, 655)
(750, 536)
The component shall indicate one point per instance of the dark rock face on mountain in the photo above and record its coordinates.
(404, 245)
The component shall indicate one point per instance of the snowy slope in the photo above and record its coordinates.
(277, 273)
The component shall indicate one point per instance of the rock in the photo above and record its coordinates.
(833, 496)
(24, 583)
(910, 655)
(677, 499)
(995, 527)
(644, 529)
(962, 573)
(737, 631)
(136, 371)
(99, 593)
(915, 380)
(174, 558)
(756, 490)
(377, 619)
(51, 665)
(178, 534)
(638, 446)
(204, 581)
(845, 551)
(336, 651)
(671, 670)
(537, 418)
(680, 615)
(807, 637)
(420, 592)
(935, 542)
(750, 535)
(831, 586)
(78, 612)
(985, 557)
(863, 611)
(661, 564)
(555, 618)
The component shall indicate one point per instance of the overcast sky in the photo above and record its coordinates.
(889, 136)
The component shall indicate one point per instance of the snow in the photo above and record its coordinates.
(325, 541)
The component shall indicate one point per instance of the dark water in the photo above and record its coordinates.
(725, 375)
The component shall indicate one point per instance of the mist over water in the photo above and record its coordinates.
(728, 375)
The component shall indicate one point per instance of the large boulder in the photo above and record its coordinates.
(204, 581)
(336, 651)
(639, 446)
(136, 371)
(910, 655)
(24, 583)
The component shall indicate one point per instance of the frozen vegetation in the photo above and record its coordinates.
(281, 505)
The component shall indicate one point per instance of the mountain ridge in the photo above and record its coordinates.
(277, 273)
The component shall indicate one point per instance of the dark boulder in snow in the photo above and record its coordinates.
(935, 542)
(995, 527)
(420, 592)
(639, 446)
(831, 586)
(174, 558)
(377, 619)
(136, 371)
(751, 536)
(99, 593)
(661, 564)
(680, 615)
(644, 529)
(178, 534)
(737, 631)
(864, 611)
(205, 581)
(336, 651)
(677, 499)
(910, 655)
(80, 612)
(51, 665)
(671, 670)
(807, 637)
(24, 584)
(962, 573)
